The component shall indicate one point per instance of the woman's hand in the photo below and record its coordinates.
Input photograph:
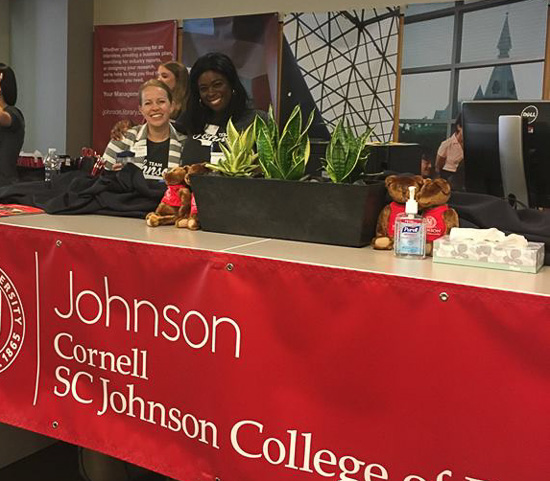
(120, 128)
(117, 166)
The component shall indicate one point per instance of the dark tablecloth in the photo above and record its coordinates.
(124, 193)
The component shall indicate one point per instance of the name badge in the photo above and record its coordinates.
(140, 151)
(215, 157)
(211, 129)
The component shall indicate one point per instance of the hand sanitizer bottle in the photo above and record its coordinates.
(410, 231)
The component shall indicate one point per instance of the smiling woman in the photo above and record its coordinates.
(216, 94)
(156, 146)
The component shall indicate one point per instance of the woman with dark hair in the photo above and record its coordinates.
(216, 94)
(12, 126)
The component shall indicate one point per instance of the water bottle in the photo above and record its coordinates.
(52, 165)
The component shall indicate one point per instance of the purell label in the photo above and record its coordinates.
(410, 238)
(410, 229)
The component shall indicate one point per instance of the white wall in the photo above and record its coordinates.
(38, 53)
(5, 31)
(52, 55)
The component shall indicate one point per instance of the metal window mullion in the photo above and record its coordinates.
(470, 65)
(455, 71)
(460, 6)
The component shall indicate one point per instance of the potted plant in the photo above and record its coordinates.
(239, 159)
(281, 205)
(283, 156)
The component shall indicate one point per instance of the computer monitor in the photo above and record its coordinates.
(482, 161)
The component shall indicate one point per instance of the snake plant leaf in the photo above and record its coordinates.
(266, 153)
(249, 136)
(289, 139)
(302, 150)
(226, 151)
(294, 123)
(300, 158)
(308, 124)
(344, 152)
(232, 133)
(215, 167)
(296, 173)
(239, 158)
(283, 155)
(272, 125)
(259, 124)
(238, 161)
(338, 161)
(284, 151)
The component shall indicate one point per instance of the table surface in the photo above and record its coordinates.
(361, 259)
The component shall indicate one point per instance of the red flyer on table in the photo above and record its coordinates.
(16, 209)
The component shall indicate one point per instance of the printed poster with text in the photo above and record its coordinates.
(125, 56)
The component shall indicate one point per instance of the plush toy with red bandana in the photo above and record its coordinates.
(178, 206)
(432, 202)
(398, 190)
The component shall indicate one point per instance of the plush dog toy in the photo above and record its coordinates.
(432, 202)
(398, 189)
(178, 204)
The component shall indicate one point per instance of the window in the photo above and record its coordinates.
(428, 43)
(424, 94)
(489, 49)
(526, 25)
(527, 82)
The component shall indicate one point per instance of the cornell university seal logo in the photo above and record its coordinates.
(12, 322)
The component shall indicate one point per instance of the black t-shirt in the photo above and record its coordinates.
(11, 141)
(157, 159)
(199, 147)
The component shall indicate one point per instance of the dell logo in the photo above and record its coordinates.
(530, 113)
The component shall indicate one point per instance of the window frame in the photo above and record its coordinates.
(455, 66)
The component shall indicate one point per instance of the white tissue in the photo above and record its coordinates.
(515, 240)
(458, 234)
(492, 235)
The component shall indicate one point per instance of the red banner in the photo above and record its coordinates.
(125, 56)
(242, 368)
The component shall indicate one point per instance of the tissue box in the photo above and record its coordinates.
(489, 254)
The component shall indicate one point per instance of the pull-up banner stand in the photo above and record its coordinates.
(124, 57)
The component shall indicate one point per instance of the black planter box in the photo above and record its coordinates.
(326, 213)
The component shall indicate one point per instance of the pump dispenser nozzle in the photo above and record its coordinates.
(411, 206)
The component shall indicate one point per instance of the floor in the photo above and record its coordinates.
(60, 462)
